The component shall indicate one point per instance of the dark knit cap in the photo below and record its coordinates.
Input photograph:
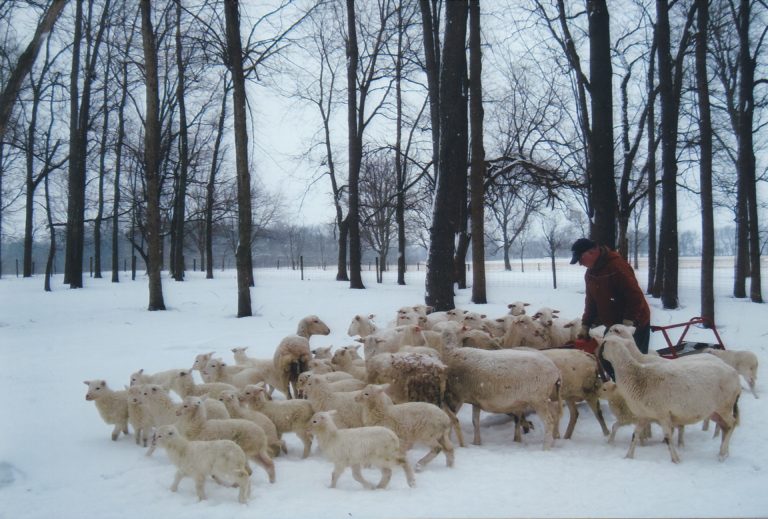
(579, 247)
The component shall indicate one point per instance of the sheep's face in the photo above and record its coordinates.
(201, 360)
(228, 397)
(166, 433)
(95, 389)
(517, 308)
(189, 406)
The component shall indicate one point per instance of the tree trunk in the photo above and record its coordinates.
(118, 173)
(746, 155)
(177, 261)
(603, 184)
(103, 147)
(705, 169)
(400, 165)
(439, 277)
(651, 140)
(210, 187)
(152, 161)
(477, 171)
(430, 18)
(355, 152)
(243, 253)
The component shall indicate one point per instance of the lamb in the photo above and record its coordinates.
(339, 381)
(223, 460)
(195, 425)
(162, 378)
(413, 422)
(321, 353)
(231, 400)
(139, 416)
(343, 360)
(517, 308)
(111, 405)
(183, 384)
(551, 330)
(478, 339)
(374, 445)
(201, 359)
(362, 326)
(502, 381)
(216, 370)
(322, 397)
(311, 325)
(475, 321)
(522, 330)
(744, 362)
(610, 392)
(674, 393)
(287, 415)
(580, 382)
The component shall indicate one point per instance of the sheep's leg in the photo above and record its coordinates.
(445, 443)
(244, 483)
(476, 424)
(668, 433)
(614, 428)
(306, 439)
(265, 462)
(549, 416)
(635, 437)
(594, 405)
(116, 431)
(338, 470)
(386, 475)
(176, 480)
(357, 473)
(200, 486)
(680, 439)
(409, 477)
(518, 428)
(705, 425)
(573, 415)
(429, 456)
(751, 382)
(455, 424)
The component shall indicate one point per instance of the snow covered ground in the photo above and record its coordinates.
(57, 459)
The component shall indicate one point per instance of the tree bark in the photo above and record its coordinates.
(430, 18)
(603, 184)
(243, 253)
(210, 188)
(355, 145)
(477, 170)
(705, 169)
(152, 161)
(439, 278)
(179, 209)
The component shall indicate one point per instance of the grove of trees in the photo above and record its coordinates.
(462, 128)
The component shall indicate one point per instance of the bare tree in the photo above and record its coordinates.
(555, 237)
(25, 62)
(378, 187)
(151, 160)
(477, 171)
(445, 224)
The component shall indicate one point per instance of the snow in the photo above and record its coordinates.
(57, 459)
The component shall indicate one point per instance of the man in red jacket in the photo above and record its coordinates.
(613, 295)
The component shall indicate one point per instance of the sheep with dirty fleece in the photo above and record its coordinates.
(413, 422)
(674, 393)
(359, 447)
(223, 460)
(502, 381)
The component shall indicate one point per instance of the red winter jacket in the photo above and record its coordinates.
(613, 294)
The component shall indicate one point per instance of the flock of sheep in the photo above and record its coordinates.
(407, 388)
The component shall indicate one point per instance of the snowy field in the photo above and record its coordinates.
(57, 459)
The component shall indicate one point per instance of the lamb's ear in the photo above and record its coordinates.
(371, 316)
(385, 387)
(87, 382)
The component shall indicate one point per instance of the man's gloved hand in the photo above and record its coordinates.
(628, 322)
(583, 333)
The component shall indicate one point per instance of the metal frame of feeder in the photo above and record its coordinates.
(683, 347)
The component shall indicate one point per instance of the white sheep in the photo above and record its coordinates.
(321, 353)
(111, 405)
(744, 362)
(322, 396)
(162, 378)
(139, 416)
(216, 370)
(556, 334)
(413, 422)
(580, 382)
(502, 381)
(287, 415)
(311, 325)
(343, 360)
(194, 424)
(674, 393)
(358, 447)
(223, 460)
(362, 326)
(517, 308)
(523, 330)
(339, 381)
(624, 416)
(183, 384)
(231, 400)
(412, 376)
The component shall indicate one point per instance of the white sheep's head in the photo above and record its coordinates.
(517, 308)
(190, 405)
(165, 433)
(322, 420)
(95, 388)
